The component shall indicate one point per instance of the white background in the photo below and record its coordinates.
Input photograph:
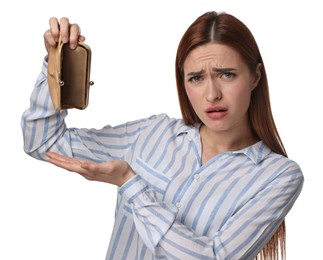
(51, 214)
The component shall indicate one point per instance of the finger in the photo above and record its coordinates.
(57, 156)
(75, 32)
(65, 29)
(67, 165)
(66, 159)
(54, 29)
(60, 159)
(81, 38)
(51, 36)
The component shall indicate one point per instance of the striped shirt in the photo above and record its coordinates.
(174, 207)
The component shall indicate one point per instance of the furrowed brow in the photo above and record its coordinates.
(195, 73)
(219, 70)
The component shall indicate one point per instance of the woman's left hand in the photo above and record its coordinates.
(116, 172)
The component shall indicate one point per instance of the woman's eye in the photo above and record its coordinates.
(227, 75)
(195, 79)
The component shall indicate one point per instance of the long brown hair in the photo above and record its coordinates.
(226, 29)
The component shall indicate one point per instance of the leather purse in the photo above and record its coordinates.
(69, 75)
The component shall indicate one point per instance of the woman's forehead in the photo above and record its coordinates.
(214, 54)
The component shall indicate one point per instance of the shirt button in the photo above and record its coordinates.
(178, 205)
(196, 177)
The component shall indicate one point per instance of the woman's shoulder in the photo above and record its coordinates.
(262, 155)
(165, 119)
(163, 124)
(284, 164)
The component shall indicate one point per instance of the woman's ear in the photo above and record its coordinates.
(257, 76)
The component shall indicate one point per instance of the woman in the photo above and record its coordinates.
(216, 184)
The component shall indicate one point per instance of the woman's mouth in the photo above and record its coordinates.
(216, 112)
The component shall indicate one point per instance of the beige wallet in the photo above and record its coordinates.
(69, 76)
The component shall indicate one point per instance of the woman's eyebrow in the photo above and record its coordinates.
(223, 69)
(195, 73)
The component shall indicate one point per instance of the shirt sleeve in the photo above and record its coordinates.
(41, 125)
(44, 129)
(242, 237)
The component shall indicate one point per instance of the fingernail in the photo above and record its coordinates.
(64, 39)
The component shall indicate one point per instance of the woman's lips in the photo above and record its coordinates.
(216, 112)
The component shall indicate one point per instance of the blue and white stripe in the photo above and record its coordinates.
(174, 208)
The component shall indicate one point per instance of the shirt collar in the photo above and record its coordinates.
(192, 132)
(256, 152)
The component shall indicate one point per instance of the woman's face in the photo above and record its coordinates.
(219, 84)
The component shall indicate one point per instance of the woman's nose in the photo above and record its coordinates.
(213, 91)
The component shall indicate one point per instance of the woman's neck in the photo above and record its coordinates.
(214, 143)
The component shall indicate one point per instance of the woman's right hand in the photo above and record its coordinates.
(70, 33)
